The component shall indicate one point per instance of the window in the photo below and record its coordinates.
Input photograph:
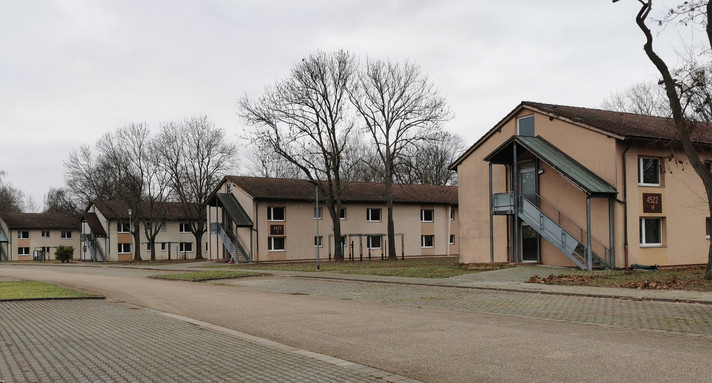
(317, 212)
(23, 234)
(65, 235)
(275, 243)
(184, 227)
(427, 240)
(452, 214)
(426, 215)
(707, 224)
(373, 241)
(525, 126)
(452, 239)
(318, 241)
(23, 251)
(373, 215)
(124, 248)
(123, 227)
(163, 227)
(342, 213)
(228, 187)
(651, 232)
(275, 213)
(45, 234)
(186, 247)
(148, 246)
(163, 246)
(649, 171)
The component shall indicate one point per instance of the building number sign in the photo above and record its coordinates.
(652, 203)
(276, 229)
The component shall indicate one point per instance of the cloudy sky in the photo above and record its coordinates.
(72, 70)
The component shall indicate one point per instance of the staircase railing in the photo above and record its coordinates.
(95, 251)
(233, 245)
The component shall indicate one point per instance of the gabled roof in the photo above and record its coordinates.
(569, 168)
(116, 209)
(41, 221)
(95, 224)
(302, 190)
(623, 126)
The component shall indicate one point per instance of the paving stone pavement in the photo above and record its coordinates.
(689, 318)
(99, 341)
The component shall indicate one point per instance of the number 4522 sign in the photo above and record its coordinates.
(652, 203)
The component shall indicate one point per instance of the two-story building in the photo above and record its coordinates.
(268, 219)
(106, 231)
(36, 236)
(570, 186)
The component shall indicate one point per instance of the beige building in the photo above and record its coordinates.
(106, 232)
(36, 236)
(268, 219)
(549, 180)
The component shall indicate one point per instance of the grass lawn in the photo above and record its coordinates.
(35, 290)
(415, 268)
(197, 276)
(663, 279)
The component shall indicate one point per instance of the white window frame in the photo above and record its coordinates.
(271, 210)
(23, 251)
(422, 241)
(271, 244)
(121, 227)
(318, 212)
(184, 227)
(45, 233)
(423, 218)
(641, 180)
(319, 241)
(369, 215)
(65, 234)
(643, 240)
(23, 234)
(452, 214)
(183, 245)
(369, 241)
(531, 116)
(148, 246)
(452, 239)
(164, 247)
(342, 213)
(123, 248)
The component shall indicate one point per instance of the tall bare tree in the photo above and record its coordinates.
(11, 198)
(400, 108)
(646, 98)
(194, 155)
(59, 200)
(688, 86)
(262, 161)
(429, 162)
(306, 119)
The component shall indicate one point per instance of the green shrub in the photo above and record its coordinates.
(64, 253)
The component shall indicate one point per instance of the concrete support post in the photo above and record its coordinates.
(589, 257)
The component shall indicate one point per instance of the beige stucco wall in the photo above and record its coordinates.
(38, 242)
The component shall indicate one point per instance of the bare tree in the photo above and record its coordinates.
(686, 87)
(429, 162)
(646, 98)
(399, 108)
(194, 155)
(11, 198)
(306, 120)
(262, 161)
(59, 200)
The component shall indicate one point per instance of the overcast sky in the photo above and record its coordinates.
(72, 70)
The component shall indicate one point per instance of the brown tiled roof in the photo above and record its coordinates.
(95, 225)
(41, 221)
(301, 190)
(627, 125)
(116, 209)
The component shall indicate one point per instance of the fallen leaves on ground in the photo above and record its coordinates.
(558, 279)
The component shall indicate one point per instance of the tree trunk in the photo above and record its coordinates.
(389, 203)
(198, 242)
(336, 222)
(136, 248)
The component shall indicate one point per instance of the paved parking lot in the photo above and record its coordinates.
(98, 341)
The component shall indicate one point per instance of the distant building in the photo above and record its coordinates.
(106, 232)
(36, 236)
(569, 186)
(269, 219)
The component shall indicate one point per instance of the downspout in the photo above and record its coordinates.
(625, 207)
(256, 213)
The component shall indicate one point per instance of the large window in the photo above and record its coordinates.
(186, 247)
(23, 234)
(275, 213)
(184, 227)
(66, 234)
(649, 171)
(373, 241)
(373, 215)
(124, 248)
(427, 241)
(651, 232)
(23, 251)
(123, 227)
(525, 126)
(427, 215)
(275, 243)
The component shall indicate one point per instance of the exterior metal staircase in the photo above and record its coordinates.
(234, 247)
(553, 231)
(3, 255)
(95, 251)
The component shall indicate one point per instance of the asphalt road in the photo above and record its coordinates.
(423, 343)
